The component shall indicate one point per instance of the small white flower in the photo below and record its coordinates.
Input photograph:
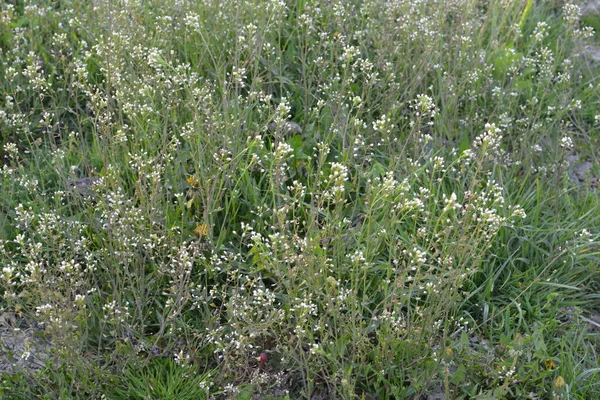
(566, 142)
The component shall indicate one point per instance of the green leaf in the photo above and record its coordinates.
(296, 143)
(377, 170)
(459, 375)
(465, 144)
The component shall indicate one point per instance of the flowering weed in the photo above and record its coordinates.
(227, 199)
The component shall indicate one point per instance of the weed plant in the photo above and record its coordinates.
(298, 199)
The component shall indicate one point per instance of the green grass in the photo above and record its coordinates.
(299, 199)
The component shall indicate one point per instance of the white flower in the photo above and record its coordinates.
(566, 142)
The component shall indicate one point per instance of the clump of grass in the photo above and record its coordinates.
(299, 199)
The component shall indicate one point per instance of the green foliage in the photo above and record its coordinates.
(299, 199)
(161, 379)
